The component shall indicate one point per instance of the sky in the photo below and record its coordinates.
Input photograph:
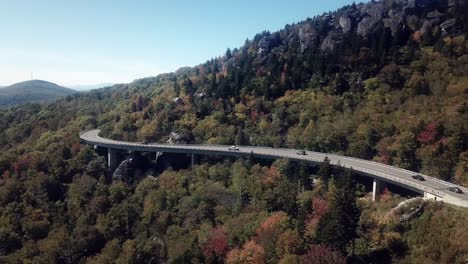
(83, 42)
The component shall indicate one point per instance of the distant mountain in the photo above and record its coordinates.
(31, 91)
(90, 86)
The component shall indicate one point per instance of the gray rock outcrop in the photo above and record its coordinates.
(307, 35)
(124, 171)
(345, 23)
(366, 25)
(329, 42)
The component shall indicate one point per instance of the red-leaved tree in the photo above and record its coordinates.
(271, 175)
(269, 231)
(319, 209)
(428, 135)
(217, 243)
(251, 253)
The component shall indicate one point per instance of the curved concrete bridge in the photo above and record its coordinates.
(431, 188)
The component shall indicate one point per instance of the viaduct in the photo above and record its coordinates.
(430, 188)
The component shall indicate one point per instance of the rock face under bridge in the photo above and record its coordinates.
(133, 168)
(136, 167)
(126, 172)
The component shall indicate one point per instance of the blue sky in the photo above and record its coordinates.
(100, 41)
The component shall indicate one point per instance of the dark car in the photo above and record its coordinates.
(455, 190)
(144, 142)
(301, 152)
(418, 177)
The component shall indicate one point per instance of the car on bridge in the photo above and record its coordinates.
(301, 152)
(455, 190)
(233, 147)
(418, 177)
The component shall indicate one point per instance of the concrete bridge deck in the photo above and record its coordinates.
(431, 187)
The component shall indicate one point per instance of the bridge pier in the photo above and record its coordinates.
(429, 196)
(111, 159)
(156, 156)
(377, 187)
(192, 160)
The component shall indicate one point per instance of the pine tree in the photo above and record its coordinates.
(325, 171)
(338, 226)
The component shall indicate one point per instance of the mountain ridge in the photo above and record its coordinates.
(32, 91)
(362, 37)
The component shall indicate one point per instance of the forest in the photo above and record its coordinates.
(348, 82)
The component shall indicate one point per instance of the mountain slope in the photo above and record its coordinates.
(385, 81)
(31, 91)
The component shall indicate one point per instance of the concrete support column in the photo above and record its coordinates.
(376, 188)
(192, 160)
(112, 159)
(156, 156)
(430, 196)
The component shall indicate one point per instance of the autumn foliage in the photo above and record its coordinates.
(319, 209)
(398, 98)
(216, 243)
(251, 253)
(428, 135)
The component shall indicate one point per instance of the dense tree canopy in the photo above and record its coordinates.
(396, 95)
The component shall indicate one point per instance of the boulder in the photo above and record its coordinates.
(264, 45)
(329, 42)
(394, 21)
(366, 25)
(433, 14)
(448, 25)
(408, 209)
(200, 95)
(345, 23)
(411, 4)
(124, 171)
(180, 137)
(178, 101)
(173, 138)
(306, 36)
(426, 27)
(376, 10)
(452, 3)
(412, 22)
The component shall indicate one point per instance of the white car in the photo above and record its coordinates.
(233, 148)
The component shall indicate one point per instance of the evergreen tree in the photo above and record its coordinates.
(176, 88)
(338, 226)
(325, 171)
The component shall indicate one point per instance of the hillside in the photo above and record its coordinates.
(384, 81)
(31, 92)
